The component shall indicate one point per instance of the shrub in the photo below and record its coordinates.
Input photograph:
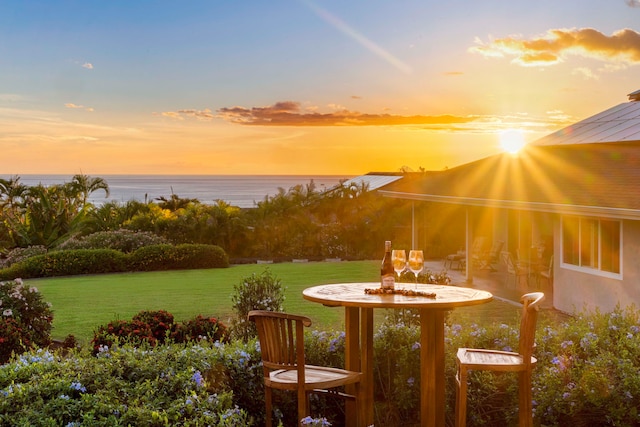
(169, 385)
(589, 370)
(25, 319)
(184, 256)
(199, 328)
(256, 292)
(122, 240)
(157, 327)
(160, 323)
(20, 254)
(68, 263)
(153, 258)
(200, 256)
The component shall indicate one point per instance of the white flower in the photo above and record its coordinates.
(7, 312)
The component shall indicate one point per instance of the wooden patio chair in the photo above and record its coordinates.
(281, 337)
(514, 268)
(521, 362)
(548, 273)
(487, 259)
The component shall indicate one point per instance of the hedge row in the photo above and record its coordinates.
(99, 261)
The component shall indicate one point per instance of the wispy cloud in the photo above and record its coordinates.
(205, 114)
(78, 107)
(88, 65)
(291, 113)
(553, 47)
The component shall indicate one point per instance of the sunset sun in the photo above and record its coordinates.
(512, 140)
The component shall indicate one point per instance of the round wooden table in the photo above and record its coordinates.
(359, 336)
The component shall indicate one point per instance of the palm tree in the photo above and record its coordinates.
(11, 190)
(82, 186)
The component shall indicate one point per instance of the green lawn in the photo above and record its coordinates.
(81, 303)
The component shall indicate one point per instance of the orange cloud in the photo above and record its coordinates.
(290, 113)
(622, 45)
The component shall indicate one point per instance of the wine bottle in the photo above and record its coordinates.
(387, 273)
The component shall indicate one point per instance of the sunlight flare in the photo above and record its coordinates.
(512, 140)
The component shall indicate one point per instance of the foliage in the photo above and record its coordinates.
(153, 258)
(397, 373)
(122, 240)
(256, 292)
(191, 256)
(200, 328)
(301, 222)
(20, 254)
(68, 263)
(169, 385)
(184, 256)
(96, 261)
(157, 327)
(25, 319)
(590, 375)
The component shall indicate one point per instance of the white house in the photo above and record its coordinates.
(576, 192)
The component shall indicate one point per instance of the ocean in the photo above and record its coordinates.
(243, 191)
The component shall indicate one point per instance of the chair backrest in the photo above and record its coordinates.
(509, 262)
(478, 245)
(530, 306)
(496, 248)
(281, 337)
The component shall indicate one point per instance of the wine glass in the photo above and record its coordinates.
(416, 263)
(399, 260)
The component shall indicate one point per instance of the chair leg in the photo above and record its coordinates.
(525, 410)
(268, 404)
(461, 397)
(303, 409)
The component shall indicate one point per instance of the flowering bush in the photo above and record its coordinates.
(20, 254)
(256, 292)
(200, 328)
(122, 240)
(25, 319)
(169, 385)
(590, 370)
(157, 327)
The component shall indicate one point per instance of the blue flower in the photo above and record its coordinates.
(79, 387)
(198, 379)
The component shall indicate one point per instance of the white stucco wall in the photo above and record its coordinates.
(575, 291)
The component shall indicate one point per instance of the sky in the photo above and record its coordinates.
(313, 87)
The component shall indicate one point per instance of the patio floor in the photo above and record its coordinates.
(499, 283)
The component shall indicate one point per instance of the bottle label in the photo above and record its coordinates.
(388, 282)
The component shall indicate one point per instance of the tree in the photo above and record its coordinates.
(82, 186)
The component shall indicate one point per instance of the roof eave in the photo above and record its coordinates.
(558, 208)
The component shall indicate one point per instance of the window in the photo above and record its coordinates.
(593, 244)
